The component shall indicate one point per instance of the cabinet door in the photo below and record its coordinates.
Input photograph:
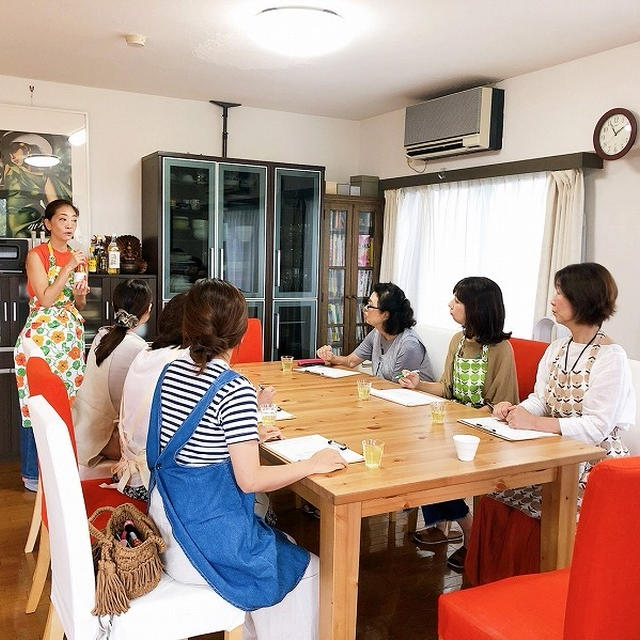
(297, 202)
(5, 313)
(337, 223)
(189, 212)
(241, 227)
(19, 307)
(294, 329)
(98, 311)
(364, 257)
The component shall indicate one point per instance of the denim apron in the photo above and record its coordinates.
(245, 561)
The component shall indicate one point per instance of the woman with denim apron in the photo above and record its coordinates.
(202, 452)
(54, 322)
(479, 369)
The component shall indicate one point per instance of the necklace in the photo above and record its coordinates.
(586, 346)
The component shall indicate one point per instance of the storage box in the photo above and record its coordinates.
(330, 187)
(368, 184)
(354, 190)
(343, 189)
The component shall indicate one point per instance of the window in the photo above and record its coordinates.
(491, 227)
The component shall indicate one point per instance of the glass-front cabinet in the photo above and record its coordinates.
(351, 233)
(295, 328)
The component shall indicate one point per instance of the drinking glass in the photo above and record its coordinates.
(372, 452)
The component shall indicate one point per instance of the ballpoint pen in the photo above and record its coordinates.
(401, 375)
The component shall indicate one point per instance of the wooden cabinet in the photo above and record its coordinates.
(253, 223)
(350, 266)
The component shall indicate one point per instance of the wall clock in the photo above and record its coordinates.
(615, 133)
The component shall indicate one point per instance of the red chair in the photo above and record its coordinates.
(43, 382)
(250, 348)
(527, 354)
(596, 598)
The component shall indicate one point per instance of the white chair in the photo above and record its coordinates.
(171, 611)
(632, 437)
(436, 340)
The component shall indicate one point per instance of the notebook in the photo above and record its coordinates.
(502, 430)
(281, 415)
(406, 397)
(303, 447)
(329, 372)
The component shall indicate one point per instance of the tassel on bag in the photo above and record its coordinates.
(123, 573)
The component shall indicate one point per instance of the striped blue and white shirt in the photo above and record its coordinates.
(231, 418)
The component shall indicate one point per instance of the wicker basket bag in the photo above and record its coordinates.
(124, 573)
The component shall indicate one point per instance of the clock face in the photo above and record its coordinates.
(615, 134)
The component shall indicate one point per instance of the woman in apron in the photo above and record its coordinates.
(54, 322)
(583, 386)
(479, 369)
(393, 345)
(202, 452)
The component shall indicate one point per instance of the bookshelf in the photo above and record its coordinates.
(351, 242)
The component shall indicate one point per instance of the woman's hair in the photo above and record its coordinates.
(483, 309)
(170, 323)
(214, 320)
(590, 289)
(391, 299)
(53, 207)
(131, 300)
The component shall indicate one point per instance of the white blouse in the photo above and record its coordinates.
(608, 402)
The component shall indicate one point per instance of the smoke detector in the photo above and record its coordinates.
(135, 39)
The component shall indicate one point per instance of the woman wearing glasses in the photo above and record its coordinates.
(392, 345)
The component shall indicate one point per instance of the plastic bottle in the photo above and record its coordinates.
(113, 252)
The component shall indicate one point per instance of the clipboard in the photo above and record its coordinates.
(303, 447)
(502, 430)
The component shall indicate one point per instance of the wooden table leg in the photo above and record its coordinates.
(339, 564)
(558, 524)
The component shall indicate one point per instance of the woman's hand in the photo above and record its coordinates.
(77, 258)
(501, 409)
(519, 418)
(409, 379)
(325, 353)
(266, 395)
(269, 433)
(326, 461)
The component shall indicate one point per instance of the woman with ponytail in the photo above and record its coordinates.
(97, 405)
(392, 345)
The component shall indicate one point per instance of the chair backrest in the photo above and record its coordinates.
(632, 437)
(604, 582)
(527, 354)
(250, 349)
(436, 340)
(73, 582)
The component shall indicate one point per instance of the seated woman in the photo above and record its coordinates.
(583, 390)
(392, 345)
(479, 370)
(97, 405)
(202, 450)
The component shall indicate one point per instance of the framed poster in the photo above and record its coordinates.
(25, 190)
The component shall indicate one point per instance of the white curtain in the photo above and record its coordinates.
(391, 200)
(491, 227)
(563, 232)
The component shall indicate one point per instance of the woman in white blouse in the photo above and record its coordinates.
(583, 386)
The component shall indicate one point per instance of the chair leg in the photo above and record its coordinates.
(412, 520)
(233, 634)
(36, 520)
(53, 630)
(40, 573)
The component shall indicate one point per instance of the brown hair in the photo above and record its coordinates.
(53, 207)
(131, 300)
(215, 319)
(170, 323)
(590, 289)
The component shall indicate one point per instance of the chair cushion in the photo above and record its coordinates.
(527, 607)
(527, 355)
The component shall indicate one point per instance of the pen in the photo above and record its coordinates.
(488, 404)
(341, 445)
(261, 387)
(401, 375)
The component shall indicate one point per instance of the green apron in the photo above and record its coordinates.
(469, 375)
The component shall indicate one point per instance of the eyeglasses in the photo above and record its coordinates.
(369, 306)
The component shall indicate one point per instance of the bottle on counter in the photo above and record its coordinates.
(33, 242)
(43, 238)
(92, 263)
(113, 252)
(101, 255)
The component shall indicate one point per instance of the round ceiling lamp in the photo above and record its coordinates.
(78, 138)
(299, 31)
(42, 160)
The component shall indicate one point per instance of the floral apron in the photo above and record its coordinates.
(564, 394)
(58, 331)
(468, 376)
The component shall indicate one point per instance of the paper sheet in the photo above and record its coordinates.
(503, 430)
(281, 415)
(302, 448)
(328, 372)
(406, 397)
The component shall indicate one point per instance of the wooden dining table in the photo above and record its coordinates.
(419, 466)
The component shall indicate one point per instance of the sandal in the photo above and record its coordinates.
(457, 558)
(432, 536)
(310, 510)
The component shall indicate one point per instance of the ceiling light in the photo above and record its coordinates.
(41, 160)
(78, 137)
(299, 31)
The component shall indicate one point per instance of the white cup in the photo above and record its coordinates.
(466, 446)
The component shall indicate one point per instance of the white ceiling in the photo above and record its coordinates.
(405, 50)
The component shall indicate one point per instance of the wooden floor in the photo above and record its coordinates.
(398, 590)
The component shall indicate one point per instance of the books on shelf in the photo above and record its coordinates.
(335, 283)
(365, 282)
(334, 313)
(365, 250)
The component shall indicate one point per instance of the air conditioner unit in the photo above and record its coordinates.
(459, 123)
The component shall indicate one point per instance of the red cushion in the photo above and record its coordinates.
(250, 349)
(527, 607)
(527, 354)
(95, 496)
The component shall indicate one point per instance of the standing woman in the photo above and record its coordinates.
(479, 369)
(393, 345)
(54, 322)
(202, 451)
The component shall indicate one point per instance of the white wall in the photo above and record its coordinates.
(124, 127)
(553, 112)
